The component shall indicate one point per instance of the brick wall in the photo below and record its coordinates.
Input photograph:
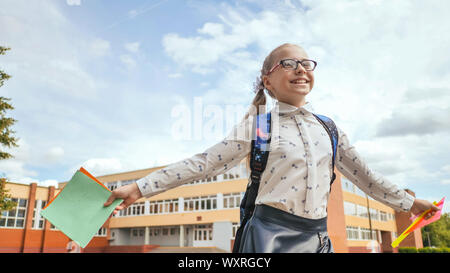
(336, 219)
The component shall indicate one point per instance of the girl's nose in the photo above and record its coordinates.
(300, 68)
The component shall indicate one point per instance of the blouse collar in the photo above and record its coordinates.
(287, 109)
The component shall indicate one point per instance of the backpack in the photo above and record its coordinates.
(258, 160)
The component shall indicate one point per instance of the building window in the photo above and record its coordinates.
(200, 203)
(374, 215)
(233, 173)
(206, 180)
(112, 186)
(164, 206)
(347, 185)
(231, 200)
(244, 170)
(203, 232)
(173, 231)
(359, 233)
(362, 211)
(383, 216)
(101, 232)
(127, 182)
(390, 216)
(352, 233)
(38, 221)
(15, 218)
(235, 228)
(350, 208)
(365, 234)
(137, 232)
(133, 210)
(154, 231)
(165, 231)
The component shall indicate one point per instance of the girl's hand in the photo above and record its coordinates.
(420, 206)
(129, 193)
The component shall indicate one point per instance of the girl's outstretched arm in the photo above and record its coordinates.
(353, 167)
(215, 160)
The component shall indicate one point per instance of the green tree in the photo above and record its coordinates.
(6, 134)
(5, 199)
(437, 234)
(6, 138)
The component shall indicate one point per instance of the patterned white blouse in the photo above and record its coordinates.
(299, 168)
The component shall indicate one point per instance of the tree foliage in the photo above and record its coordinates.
(437, 234)
(5, 198)
(6, 138)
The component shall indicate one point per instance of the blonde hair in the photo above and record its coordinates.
(259, 102)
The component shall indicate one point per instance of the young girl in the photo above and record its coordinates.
(291, 206)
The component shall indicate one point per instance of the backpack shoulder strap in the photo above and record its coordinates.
(331, 129)
(258, 159)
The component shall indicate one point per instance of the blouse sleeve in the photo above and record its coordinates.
(213, 161)
(353, 167)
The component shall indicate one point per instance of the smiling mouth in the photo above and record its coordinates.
(300, 84)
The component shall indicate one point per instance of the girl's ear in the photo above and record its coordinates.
(266, 82)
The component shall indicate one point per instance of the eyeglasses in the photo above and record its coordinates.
(291, 64)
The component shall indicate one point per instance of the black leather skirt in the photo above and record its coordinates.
(271, 230)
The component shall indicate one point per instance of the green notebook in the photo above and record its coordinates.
(78, 209)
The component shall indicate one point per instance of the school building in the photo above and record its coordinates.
(202, 216)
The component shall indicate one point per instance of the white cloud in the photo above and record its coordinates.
(50, 55)
(175, 75)
(133, 13)
(132, 47)
(73, 2)
(100, 47)
(54, 154)
(128, 61)
(446, 169)
(15, 170)
(212, 29)
(48, 183)
(100, 166)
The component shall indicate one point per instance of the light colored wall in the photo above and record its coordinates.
(121, 235)
(222, 233)
(18, 190)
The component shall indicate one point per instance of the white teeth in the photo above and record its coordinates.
(300, 81)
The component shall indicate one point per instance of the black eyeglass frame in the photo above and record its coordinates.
(296, 62)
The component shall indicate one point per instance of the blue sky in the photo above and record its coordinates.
(95, 83)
